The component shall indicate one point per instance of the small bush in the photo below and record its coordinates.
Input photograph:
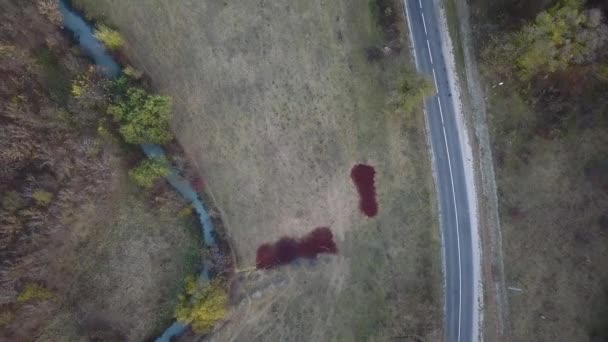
(603, 71)
(42, 197)
(143, 118)
(80, 86)
(412, 90)
(50, 9)
(6, 317)
(109, 37)
(55, 75)
(34, 292)
(202, 306)
(133, 73)
(185, 212)
(120, 85)
(12, 201)
(148, 171)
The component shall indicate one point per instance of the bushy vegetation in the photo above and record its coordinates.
(62, 197)
(132, 73)
(185, 212)
(6, 317)
(12, 200)
(47, 168)
(202, 305)
(109, 37)
(34, 292)
(80, 86)
(564, 35)
(143, 117)
(54, 75)
(547, 106)
(42, 197)
(149, 171)
(412, 89)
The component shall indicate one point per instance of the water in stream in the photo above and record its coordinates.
(82, 32)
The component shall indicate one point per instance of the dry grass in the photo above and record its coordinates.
(83, 254)
(127, 260)
(276, 100)
(555, 248)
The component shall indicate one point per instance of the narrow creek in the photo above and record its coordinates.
(82, 31)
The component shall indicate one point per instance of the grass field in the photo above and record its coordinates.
(276, 101)
(127, 260)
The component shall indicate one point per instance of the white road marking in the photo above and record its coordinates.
(439, 102)
(424, 24)
(449, 161)
(447, 149)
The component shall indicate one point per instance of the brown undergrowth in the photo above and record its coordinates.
(82, 250)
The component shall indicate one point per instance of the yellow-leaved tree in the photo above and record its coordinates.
(202, 305)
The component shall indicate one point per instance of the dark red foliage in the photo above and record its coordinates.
(286, 250)
(320, 240)
(363, 177)
(266, 256)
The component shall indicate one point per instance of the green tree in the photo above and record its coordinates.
(143, 118)
(149, 170)
(202, 305)
(412, 89)
(109, 37)
(565, 34)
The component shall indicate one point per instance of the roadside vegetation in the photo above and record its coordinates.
(544, 66)
(83, 249)
(412, 89)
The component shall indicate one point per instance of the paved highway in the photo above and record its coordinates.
(449, 171)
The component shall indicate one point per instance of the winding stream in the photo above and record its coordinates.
(82, 32)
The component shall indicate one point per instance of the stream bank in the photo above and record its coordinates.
(218, 249)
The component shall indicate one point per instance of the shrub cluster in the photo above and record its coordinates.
(412, 89)
(109, 37)
(143, 117)
(34, 292)
(202, 305)
(149, 170)
(564, 35)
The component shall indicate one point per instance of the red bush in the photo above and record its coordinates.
(287, 249)
(363, 177)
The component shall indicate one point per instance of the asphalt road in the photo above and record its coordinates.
(448, 165)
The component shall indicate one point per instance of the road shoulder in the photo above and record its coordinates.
(494, 305)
